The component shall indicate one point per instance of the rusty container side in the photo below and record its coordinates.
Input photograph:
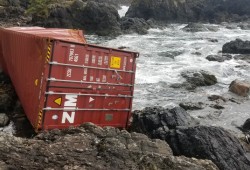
(24, 59)
(24, 56)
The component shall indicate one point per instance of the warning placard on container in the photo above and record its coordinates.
(115, 62)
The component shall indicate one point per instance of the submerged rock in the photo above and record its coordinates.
(240, 88)
(199, 78)
(218, 58)
(196, 27)
(245, 57)
(91, 147)
(192, 106)
(237, 46)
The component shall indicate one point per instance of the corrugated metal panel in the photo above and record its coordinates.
(65, 83)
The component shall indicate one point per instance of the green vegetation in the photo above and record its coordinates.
(40, 8)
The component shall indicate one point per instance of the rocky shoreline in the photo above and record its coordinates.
(159, 138)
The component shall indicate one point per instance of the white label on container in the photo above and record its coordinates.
(76, 57)
(104, 78)
(100, 60)
(91, 78)
(124, 63)
(97, 79)
(69, 72)
(85, 71)
(71, 54)
(86, 59)
(106, 60)
(84, 78)
(93, 59)
(72, 46)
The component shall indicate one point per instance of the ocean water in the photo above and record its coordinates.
(165, 53)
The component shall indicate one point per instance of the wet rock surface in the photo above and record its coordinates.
(92, 147)
(192, 105)
(199, 78)
(240, 88)
(213, 143)
(134, 25)
(237, 46)
(219, 58)
(4, 120)
(196, 27)
(191, 10)
(152, 118)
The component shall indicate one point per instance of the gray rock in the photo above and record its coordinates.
(4, 120)
(237, 47)
(211, 143)
(218, 58)
(190, 10)
(192, 106)
(245, 57)
(199, 78)
(80, 148)
(134, 25)
(240, 88)
(152, 118)
(196, 27)
(246, 125)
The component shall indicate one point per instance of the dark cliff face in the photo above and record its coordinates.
(189, 10)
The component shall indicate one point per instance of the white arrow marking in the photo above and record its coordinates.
(91, 99)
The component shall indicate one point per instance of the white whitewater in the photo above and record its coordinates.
(164, 54)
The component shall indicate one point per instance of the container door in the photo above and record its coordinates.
(89, 84)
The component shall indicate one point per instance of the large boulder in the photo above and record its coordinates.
(237, 46)
(100, 18)
(211, 143)
(246, 126)
(240, 88)
(190, 10)
(134, 25)
(92, 17)
(186, 138)
(151, 118)
(91, 147)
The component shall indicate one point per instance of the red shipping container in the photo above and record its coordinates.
(62, 81)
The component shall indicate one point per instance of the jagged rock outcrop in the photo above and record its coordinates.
(151, 118)
(237, 46)
(134, 25)
(92, 17)
(92, 147)
(211, 143)
(186, 138)
(190, 10)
